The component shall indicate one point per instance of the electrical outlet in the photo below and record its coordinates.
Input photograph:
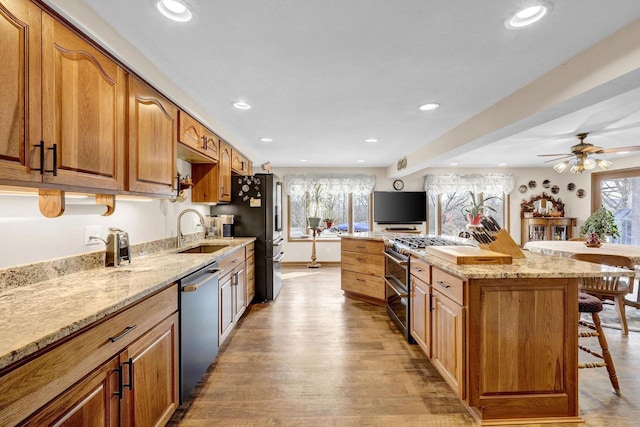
(89, 232)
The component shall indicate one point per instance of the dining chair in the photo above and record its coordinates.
(609, 287)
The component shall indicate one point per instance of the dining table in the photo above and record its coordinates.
(567, 248)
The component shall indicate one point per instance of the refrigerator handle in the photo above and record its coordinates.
(278, 257)
(278, 241)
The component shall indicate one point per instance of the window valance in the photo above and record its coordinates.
(297, 185)
(494, 183)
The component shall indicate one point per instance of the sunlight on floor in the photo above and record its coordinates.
(296, 274)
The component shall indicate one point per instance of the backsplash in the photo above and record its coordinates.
(26, 274)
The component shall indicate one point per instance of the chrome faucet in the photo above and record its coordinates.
(180, 237)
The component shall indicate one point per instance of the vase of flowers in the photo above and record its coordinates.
(602, 224)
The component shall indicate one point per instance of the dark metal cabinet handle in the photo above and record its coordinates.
(204, 142)
(444, 285)
(41, 147)
(362, 259)
(125, 332)
(130, 385)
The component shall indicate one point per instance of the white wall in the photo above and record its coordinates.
(28, 237)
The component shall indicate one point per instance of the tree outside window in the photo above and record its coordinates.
(619, 192)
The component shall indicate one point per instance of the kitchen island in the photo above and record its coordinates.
(86, 326)
(503, 336)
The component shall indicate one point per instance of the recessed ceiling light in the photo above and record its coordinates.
(265, 139)
(429, 106)
(304, 160)
(453, 164)
(502, 164)
(528, 15)
(622, 152)
(176, 10)
(371, 140)
(359, 161)
(241, 105)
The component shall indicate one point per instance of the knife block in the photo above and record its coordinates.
(503, 244)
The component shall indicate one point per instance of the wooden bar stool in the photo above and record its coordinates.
(590, 304)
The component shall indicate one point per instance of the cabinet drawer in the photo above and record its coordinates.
(232, 261)
(421, 270)
(25, 389)
(363, 263)
(363, 284)
(250, 265)
(363, 246)
(449, 285)
(250, 250)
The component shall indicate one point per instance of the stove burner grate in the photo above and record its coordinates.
(423, 242)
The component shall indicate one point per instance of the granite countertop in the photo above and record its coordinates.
(533, 266)
(36, 315)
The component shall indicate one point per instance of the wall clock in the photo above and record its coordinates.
(398, 184)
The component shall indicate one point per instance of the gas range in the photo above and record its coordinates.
(402, 243)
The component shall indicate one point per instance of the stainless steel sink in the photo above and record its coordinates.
(204, 249)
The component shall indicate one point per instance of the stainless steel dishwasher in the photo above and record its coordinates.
(198, 326)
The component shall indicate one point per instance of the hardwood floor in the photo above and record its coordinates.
(316, 358)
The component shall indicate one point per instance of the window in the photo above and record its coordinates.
(619, 192)
(449, 195)
(340, 201)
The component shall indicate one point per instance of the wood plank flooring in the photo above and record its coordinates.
(316, 358)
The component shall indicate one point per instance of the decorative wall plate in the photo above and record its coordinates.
(555, 189)
(532, 184)
(571, 186)
(581, 193)
(546, 183)
(523, 188)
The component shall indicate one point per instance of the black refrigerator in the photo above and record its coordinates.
(256, 203)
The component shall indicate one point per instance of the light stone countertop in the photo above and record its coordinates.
(534, 266)
(36, 315)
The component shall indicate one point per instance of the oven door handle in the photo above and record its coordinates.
(401, 293)
(397, 260)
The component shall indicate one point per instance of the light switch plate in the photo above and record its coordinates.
(89, 232)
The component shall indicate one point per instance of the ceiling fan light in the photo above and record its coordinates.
(576, 169)
(603, 164)
(560, 167)
(589, 164)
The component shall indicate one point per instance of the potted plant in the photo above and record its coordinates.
(601, 223)
(475, 208)
(313, 199)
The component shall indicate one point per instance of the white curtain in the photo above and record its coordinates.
(494, 183)
(297, 185)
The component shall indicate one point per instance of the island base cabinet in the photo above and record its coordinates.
(522, 350)
(421, 314)
(447, 341)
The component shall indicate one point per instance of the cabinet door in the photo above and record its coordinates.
(152, 140)
(447, 341)
(83, 111)
(211, 143)
(239, 163)
(226, 307)
(224, 171)
(421, 314)
(240, 294)
(251, 280)
(91, 402)
(150, 376)
(190, 132)
(19, 90)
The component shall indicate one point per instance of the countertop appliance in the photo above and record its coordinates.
(256, 207)
(397, 271)
(198, 300)
(118, 249)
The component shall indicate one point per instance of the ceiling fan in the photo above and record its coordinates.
(579, 158)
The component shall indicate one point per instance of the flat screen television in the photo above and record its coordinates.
(399, 207)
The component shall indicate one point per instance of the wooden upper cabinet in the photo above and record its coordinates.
(239, 163)
(224, 172)
(153, 124)
(19, 90)
(197, 143)
(211, 144)
(83, 111)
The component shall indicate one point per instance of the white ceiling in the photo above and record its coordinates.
(322, 76)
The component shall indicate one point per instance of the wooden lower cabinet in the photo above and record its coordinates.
(362, 269)
(122, 371)
(226, 308)
(91, 402)
(420, 322)
(239, 293)
(447, 338)
(233, 292)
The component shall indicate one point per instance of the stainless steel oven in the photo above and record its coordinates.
(397, 289)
